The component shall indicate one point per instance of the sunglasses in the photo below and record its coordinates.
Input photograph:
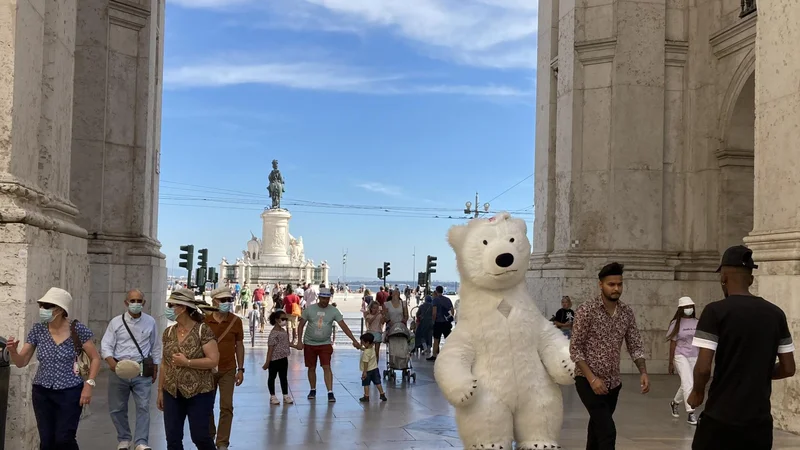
(225, 300)
(46, 306)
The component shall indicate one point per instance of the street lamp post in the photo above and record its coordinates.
(476, 211)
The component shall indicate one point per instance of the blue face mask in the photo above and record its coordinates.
(170, 314)
(135, 308)
(45, 315)
(225, 307)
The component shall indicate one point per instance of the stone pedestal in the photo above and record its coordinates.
(775, 239)
(275, 237)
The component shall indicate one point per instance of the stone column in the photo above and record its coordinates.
(40, 244)
(116, 146)
(775, 239)
(275, 237)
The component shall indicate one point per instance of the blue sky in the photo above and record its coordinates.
(370, 106)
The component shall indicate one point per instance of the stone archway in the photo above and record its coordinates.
(735, 158)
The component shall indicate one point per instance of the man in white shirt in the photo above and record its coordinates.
(118, 345)
(309, 295)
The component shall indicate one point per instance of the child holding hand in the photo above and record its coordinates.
(278, 357)
(369, 367)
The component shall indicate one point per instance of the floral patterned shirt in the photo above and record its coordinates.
(188, 381)
(597, 339)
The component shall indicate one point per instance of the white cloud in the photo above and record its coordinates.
(485, 33)
(324, 77)
(381, 188)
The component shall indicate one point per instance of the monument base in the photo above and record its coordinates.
(275, 237)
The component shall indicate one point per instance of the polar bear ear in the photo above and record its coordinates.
(519, 226)
(456, 236)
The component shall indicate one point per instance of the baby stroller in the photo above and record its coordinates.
(398, 355)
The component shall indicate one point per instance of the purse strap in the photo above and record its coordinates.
(76, 341)
(131, 335)
(225, 333)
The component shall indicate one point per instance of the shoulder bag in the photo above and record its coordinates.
(224, 333)
(147, 365)
(82, 361)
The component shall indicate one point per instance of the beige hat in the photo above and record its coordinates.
(222, 292)
(127, 369)
(685, 301)
(184, 297)
(58, 297)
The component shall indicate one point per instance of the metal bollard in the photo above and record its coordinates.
(5, 372)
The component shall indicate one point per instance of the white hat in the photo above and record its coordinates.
(299, 292)
(222, 292)
(58, 297)
(685, 301)
(127, 369)
(325, 292)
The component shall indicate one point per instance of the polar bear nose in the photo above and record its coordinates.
(505, 260)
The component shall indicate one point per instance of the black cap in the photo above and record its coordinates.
(738, 256)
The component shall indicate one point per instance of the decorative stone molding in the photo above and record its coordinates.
(127, 14)
(676, 53)
(748, 7)
(735, 37)
(25, 204)
(597, 51)
(554, 64)
(782, 245)
(733, 157)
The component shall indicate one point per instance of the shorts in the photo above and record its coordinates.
(714, 435)
(377, 335)
(373, 376)
(312, 352)
(442, 329)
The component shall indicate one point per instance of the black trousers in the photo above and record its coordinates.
(279, 367)
(712, 434)
(198, 409)
(58, 412)
(602, 433)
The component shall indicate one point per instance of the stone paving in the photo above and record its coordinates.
(415, 417)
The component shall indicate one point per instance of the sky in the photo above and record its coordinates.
(386, 117)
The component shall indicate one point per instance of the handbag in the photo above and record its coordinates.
(82, 361)
(148, 367)
(297, 311)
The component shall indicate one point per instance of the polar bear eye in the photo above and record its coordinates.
(485, 242)
(511, 240)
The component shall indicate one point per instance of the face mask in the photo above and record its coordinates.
(688, 312)
(283, 321)
(170, 314)
(225, 307)
(45, 315)
(135, 308)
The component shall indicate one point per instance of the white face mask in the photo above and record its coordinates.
(688, 311)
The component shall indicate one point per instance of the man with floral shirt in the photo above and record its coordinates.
(600, 327)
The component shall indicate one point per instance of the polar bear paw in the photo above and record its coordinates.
(495, 446)
(564, 373)
(466, 395)
(537, 445)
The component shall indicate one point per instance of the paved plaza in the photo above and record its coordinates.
(415, 417)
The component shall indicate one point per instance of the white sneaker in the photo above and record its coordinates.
(274, 400)
(124, 445)
(143, 447)
(287, 400)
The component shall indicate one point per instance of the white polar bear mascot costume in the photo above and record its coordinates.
(502, 364)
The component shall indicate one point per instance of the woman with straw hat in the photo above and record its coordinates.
(186, 383)
(59, 392)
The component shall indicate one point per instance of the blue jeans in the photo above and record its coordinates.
(119, 391)
(198, 409)
(58, 412)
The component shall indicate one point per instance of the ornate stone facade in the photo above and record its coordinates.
(667, 131)
(80, 114)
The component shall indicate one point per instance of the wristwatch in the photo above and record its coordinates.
(91, 382)
(241, 369)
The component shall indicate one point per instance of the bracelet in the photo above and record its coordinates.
(190, 363)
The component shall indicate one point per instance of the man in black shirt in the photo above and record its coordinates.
(564, 317)
(745, 333)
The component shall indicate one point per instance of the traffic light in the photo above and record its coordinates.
(421, 279)
(380, 273)
(200, 276)
(386, 270)
(431, 267)
(202, 260)
(188, 261)
(212, 275)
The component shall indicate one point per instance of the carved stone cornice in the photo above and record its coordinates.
(21, 203)
(781, 245)
(104, 244)
(676, 53)
(740, 35)
(596, 51)
(733, 157)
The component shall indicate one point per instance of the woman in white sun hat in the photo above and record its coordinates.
(59, 392)
(682, 355)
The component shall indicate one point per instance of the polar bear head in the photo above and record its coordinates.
(492, 253)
